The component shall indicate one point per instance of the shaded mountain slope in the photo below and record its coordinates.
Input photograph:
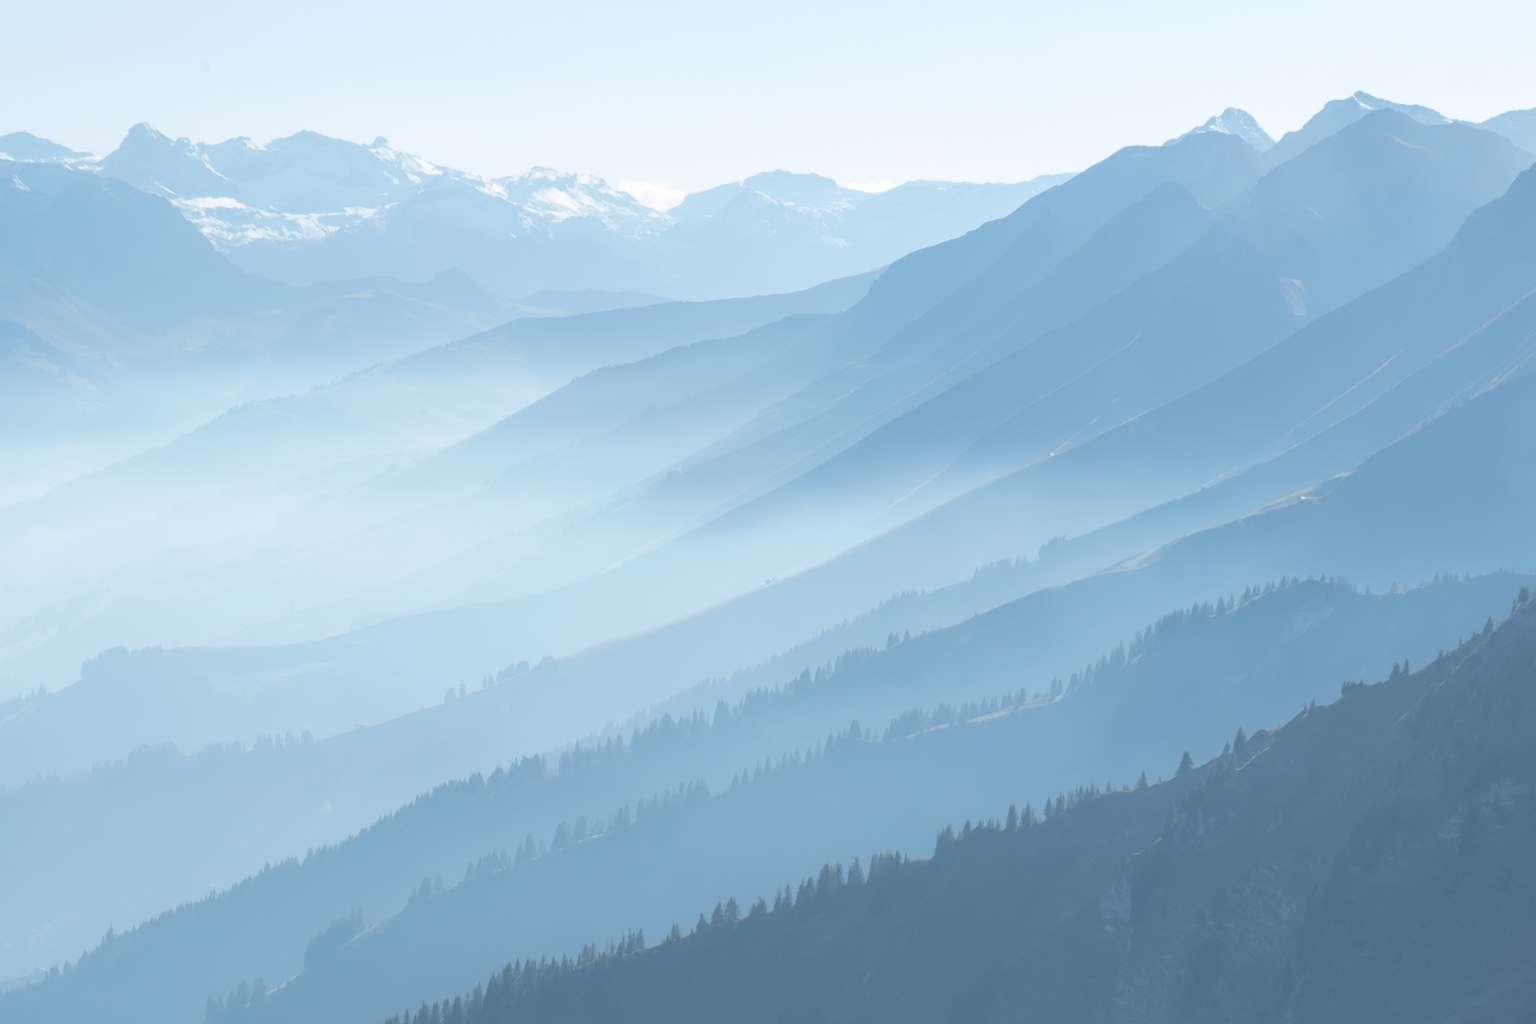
(1365, 860)
(250, 471)
(1183, 683)
(1518, 126)
(1370, 526)
(1315, 233)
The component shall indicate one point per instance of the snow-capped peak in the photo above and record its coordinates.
(1243, 125)
(1423, 115)
(1235, 122)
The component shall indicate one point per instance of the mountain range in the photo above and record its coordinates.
(1105, 598)
(308, 208)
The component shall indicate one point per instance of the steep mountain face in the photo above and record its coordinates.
(1240, 123)
(116, 278)
(1364, 860)
(1183, 684)
(124, 253)
(1339, 114)
(1518, 126)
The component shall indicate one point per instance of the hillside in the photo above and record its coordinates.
(1363, 860)
(1116, 719)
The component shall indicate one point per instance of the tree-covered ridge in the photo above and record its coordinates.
(1291, 877)
(903, 793)
(856, 793)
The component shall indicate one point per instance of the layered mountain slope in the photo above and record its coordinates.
(1045, 265)
(1339, 114)
(1386, 534)
(116, 277)
(695, 414)
(1347, 215)
(1364, 861)
(1048, 250)
(1480, 163)
(473, 641)
(167, 329)
(1182, 684)
(1369, 526)
(1214, 166)
(256, 470)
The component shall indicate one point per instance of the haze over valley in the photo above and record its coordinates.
(438, 597)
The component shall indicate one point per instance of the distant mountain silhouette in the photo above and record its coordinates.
(1518, 126)
(307, 208)
(1339, 114)
(25, 146)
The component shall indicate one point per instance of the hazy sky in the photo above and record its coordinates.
(689, 94)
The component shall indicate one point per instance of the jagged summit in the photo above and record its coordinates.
(1239, 123)
(143, 130)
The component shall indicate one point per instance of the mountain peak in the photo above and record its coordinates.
(143, 131)
(1424, 115)
(1338, 114)
(1238, 123)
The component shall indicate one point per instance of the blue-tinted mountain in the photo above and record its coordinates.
(1214, 167)
(307, 207)
(1181, 685)
(1061, 368)
(1518, 126)
(1339, 114)
(1305, 241)
(466, 632)
(1240, 123)
(1362, 861)
(24, 146)
(1044, 265)
(276, 455)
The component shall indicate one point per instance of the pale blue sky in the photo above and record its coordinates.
(690, 93)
